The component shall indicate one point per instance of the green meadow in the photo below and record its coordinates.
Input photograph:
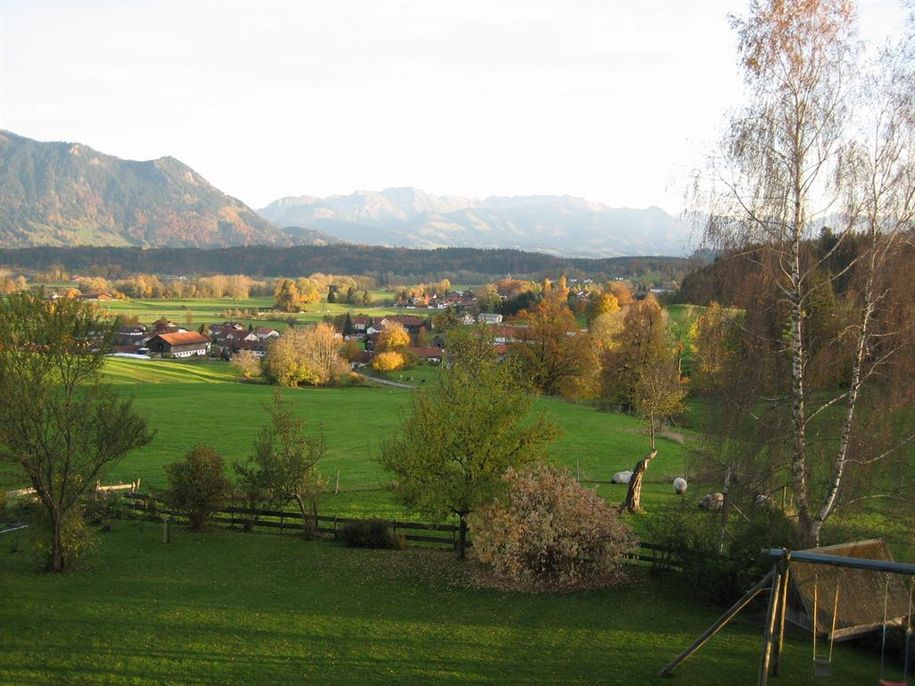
(192, 312)
(187, 403)
(231, 608)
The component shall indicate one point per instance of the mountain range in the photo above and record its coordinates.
(556, 224)
(65, 194)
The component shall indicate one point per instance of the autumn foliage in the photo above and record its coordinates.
(548, 530)
(388, 361)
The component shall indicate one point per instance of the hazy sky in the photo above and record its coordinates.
(613, 101)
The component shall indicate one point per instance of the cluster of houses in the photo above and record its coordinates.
(457, 299)
(168, 339)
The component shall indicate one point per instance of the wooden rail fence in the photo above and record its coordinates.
(423, 532)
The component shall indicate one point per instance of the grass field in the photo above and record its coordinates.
(187, 403)
(232, 608)
(193, 312)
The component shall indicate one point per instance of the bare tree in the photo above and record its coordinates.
(812, 147)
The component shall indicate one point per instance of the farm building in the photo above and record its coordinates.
(186, 344)
(860, 592)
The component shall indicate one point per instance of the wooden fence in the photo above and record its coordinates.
(440, 534)
(423, 532)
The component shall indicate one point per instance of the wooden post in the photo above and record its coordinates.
(722, 621)
(578, 469)
(166, 529)
(774, 595)
(782, 614)
(337, 484)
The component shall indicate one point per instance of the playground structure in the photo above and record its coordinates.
(823, 577)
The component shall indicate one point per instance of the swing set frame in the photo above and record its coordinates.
(776, 583)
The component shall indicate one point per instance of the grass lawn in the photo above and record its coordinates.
(231, 608)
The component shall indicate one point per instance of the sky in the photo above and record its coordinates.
(612, 101)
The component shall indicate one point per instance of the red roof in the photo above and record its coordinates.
(183, 338)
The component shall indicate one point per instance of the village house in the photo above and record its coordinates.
(187, 344)
(431, 354)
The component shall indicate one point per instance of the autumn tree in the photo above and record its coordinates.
(462, 434)
(812, 141)
(309, 356)
(287, 298)
(553, 353)
(59, 422)
(640, 343)
(283, 466)
(640, 373)
(393, 338)
(388, 361)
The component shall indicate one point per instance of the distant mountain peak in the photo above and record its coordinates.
(557, 224)
(64, 193)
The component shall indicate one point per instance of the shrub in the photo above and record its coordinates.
(101, 507)
(76, 540)
(549, 530)
(695, 540)
(197, 485)
(370, 533)
(388, 362)
(247, 363)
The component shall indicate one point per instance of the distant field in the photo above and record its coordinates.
(192, 312)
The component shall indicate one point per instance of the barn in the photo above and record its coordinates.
(188, 344)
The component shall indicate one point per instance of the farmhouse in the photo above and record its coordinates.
(186, 344)
(431, 353)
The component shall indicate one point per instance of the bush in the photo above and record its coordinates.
(76, 540)
(694, 537)
(548, 530)
(101, 507)
(197, 485)
(247, 363)
(388, 361)
(370, 533)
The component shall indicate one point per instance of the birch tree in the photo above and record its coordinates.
(813, 146)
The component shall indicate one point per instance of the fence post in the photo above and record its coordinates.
(166, 529)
